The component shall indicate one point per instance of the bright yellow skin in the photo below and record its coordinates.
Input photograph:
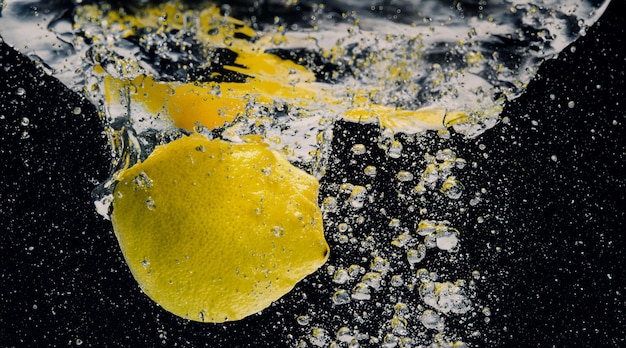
(214, 231)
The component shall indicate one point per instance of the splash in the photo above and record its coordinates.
(160, 71)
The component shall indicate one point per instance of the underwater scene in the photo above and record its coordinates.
(292, 173)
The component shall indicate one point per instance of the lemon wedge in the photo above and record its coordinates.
(214, 231)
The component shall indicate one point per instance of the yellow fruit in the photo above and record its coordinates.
(215, 231)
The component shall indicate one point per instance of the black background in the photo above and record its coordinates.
(554, 261)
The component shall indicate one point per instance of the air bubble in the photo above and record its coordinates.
(430, 319)
(372, 279)
(278, 231)
(370, 171)
(341, 276)
(344, 334)
(395, 150)
(357, 197)
(416, 255)
(341, 297)
(358, 149)
(452, 188)
(397, 280)
(379, 264)
(150, 204)
(404, 176)
(361, 292)
(303, 320)
(319, 337)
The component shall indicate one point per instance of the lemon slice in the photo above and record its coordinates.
(214, 231)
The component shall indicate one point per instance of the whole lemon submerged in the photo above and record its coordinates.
(215, 231)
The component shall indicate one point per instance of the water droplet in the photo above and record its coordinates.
(77, 110)
(571, 104)
(25, 121)
(20, 91)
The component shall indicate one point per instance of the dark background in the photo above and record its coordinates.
(551, 246)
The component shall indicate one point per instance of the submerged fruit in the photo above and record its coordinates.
(215, 231)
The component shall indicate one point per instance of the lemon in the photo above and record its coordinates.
(214, 231)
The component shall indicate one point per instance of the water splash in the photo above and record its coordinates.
(408, 66)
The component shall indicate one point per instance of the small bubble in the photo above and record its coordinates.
(319, 337)
(25, 121)
(358, 149)
(303, 320)
(278, 231)
(430, 319)
(341, 276)
(397, 280)
(357, 197)
(416, 255)
(395, 150)
(20, 91)
(361, 292)
(150, 204)
(554, 158)
(404, 176)
(354, 270)
(77, 110)
(571, 104)
(341, 297)
(452, 188)
(448, 240)
(145, 263)
(79, 342)
(426, 227)
(344, 334)
(379, 264)
(370, 171)
(330, 204)
(372, 280)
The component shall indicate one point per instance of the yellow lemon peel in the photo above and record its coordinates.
(215, 231)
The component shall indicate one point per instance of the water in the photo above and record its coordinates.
(437, 66)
